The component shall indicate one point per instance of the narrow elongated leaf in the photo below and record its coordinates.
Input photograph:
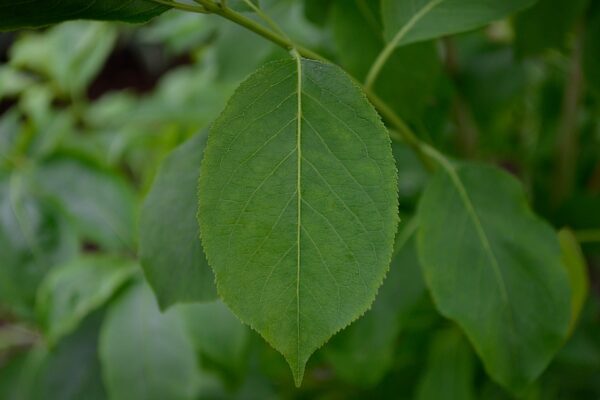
(494, 268)
(29, 14)
(146, 355)
(70, 292)
(575, 264)
(170, 248)
(409, 21)
(298, 205)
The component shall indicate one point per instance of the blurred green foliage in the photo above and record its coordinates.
(89, 110)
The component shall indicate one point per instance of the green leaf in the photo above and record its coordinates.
(364, 352)
(217, 333)
(70, 292)
(450, 369)
(170, 248)
(36, 13)
(146, 355)
(574, 262)
(298, 205)
(494, 268)
(100, 203)
(410, 21)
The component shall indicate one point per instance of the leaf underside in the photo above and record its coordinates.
(298, 205)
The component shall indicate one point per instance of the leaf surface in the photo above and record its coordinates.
(298, 206)
(34, 13)
(170, 248)
(409, 21)
(494, 268)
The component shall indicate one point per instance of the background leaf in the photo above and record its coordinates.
(145, 354)
(70, 292)
(507, 291)
(170, 248)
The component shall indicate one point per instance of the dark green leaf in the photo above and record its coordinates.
(35, 13)
(494, 268)
(298, 205)
(170, 248)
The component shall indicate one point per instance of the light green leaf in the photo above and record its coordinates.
(450, 369)
(364, 352)
(298, 205)
(409, 21)
(146, 355)
(100, 203)
(217, 333)
(70, 292)
(494, 268)
(170, 248)
(35, 13)
(574, 262)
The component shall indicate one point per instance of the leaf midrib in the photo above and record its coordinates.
(298, 202)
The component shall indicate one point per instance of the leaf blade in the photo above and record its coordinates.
(283, 204)
(522, 295)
